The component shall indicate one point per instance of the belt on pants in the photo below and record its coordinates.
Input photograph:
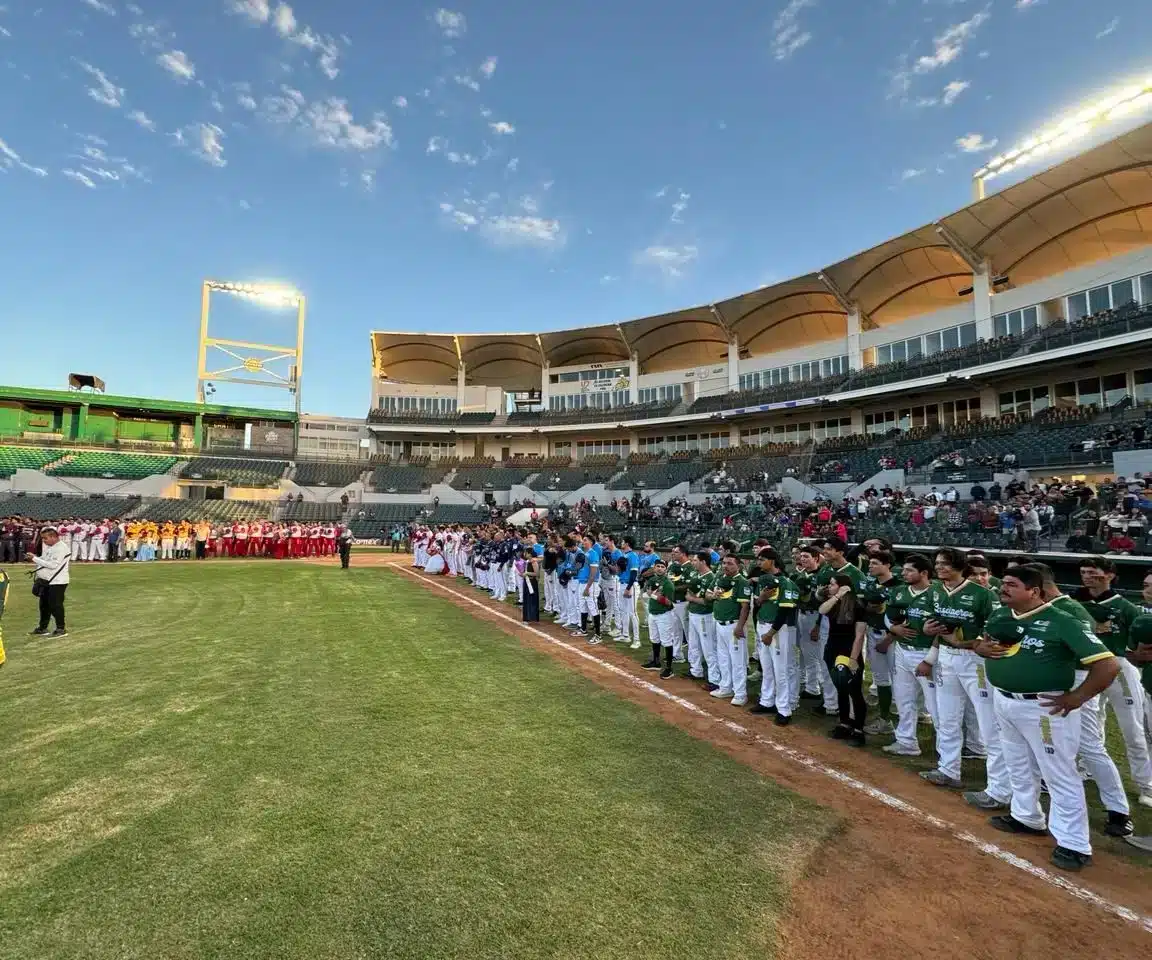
(725, 623)
(1026, 696)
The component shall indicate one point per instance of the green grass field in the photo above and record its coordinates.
(281, 761)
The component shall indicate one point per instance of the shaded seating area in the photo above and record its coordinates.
(394, 478)
(310, 512)
(236, 472)
(317, 473)
(41, 508)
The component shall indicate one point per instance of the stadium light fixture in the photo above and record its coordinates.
(1073, 127)
(256, 364)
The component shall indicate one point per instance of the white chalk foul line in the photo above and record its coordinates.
(811, 763)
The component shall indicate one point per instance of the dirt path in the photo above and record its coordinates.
(916, 873)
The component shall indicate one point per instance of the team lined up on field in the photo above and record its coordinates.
(144, 540)
(1010, 670)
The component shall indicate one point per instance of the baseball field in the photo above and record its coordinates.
(255, 760)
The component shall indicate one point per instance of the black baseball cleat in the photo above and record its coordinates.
(1119, 825)
(58, 634)
(1072, 860)
(782, 720)
(1006, 823)
(760, 708)
(713, 686)
(805, 695)
(653, 665)
(39, 632)
(821, 711)
(666, 673)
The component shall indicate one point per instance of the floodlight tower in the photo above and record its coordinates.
(252, 358)
(1076, 125)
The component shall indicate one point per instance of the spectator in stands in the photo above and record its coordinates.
(977, 493)
(1120, 542)
(1031, 527)
(1079, 542)
(995, 491)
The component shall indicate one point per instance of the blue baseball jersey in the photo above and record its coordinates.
(647, 559)
(591, 559)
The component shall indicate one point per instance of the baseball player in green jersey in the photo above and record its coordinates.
(961, 610)
(1033, 653)
(1094, 756)
(979, 572)
(661, 593)
(679, 570)
(1114, 616)
(731, 597)
(881, 651)
(910, 607)
(701, 625)
(776, 630)
(810, 636)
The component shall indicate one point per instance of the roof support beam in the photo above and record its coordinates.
(624, 339)
(962, 250)
(456, 344)
(850, 306)
(543, 355)
(721, 322)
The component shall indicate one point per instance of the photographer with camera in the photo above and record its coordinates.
(50, 581)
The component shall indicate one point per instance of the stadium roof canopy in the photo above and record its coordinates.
(1086, 208)
(131, 406)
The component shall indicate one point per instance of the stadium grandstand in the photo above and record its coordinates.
(1010, 336)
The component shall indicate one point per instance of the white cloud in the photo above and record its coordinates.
(529, 204)
(246, 100)
(331, 124)
(953, 90)
(523, 231)
(133, 9)
(205, 140)
(101, 6)
(176, 62)
(10, 158)
(244, 205)
(462, 218)
(502, 128)
(912, 173)
(368, 180)
(284, 20)
(465, 158)
(1025, 4)
(257, 11)
(102, 173)
(512, 165)
(488, 67)
(1110, 29)
(451, 24)
(105, 91)
(401, 102)
(670, 261)
(80, 178)
(466, 81)
(607, 279)
(679, 206)
(975, 143)
(435, 145)
(947, 46)
(788, 35)
(140, 117)
(5, 32)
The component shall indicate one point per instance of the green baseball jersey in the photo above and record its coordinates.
(698, 584)
(918, 607)
(875, 595)
(679, 573)
(1113, 615)
(662, 587)
(1141, 632)
(1045, 649)
(805, 583)
(784, 597)
(967, 608)
(733, 591)
(1065, 604)
(825, 574)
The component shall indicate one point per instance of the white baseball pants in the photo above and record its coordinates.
(590, 601)
(806, 623)
(702, 646)
(963, 683)
(780, 686)
(906, 688)
(1038, 744)
(732, 652)
(1095, 758)
(662, 628)
(627, 616)
(680, 611)
(1128, 700)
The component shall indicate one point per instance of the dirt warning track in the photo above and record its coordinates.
(915, 873)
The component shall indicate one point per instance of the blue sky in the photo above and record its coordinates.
(490, 165)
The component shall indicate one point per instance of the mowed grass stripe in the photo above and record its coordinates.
(291, 761)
